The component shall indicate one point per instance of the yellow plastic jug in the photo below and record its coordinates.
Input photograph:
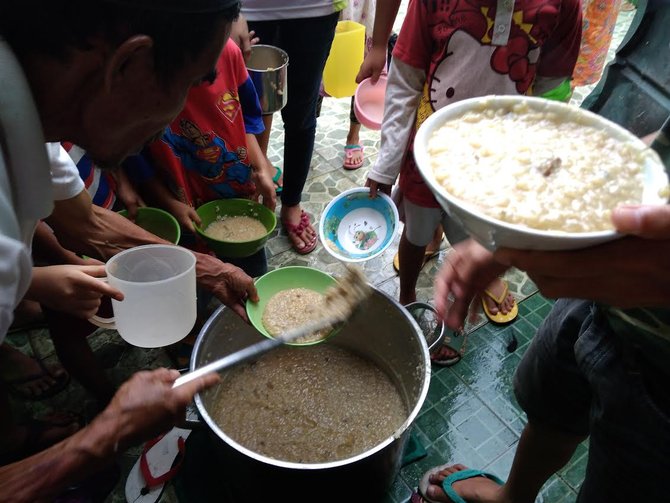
(344, 61)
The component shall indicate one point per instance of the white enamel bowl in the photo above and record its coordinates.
(493, 233)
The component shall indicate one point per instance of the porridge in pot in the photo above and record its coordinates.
(237, 229)
(292, 308)
(537, 168)
(313, 404)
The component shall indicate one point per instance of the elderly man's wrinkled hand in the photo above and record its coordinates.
(230, 284)
(147, 405)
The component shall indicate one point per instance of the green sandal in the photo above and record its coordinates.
(275, 180)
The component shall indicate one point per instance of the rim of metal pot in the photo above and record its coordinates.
(331, 464)
(439, 338)
(282, 53)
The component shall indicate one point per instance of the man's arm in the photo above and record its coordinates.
(91, 230)
(629, 272)
(144, 407)
(85, 228)
(375, 61)
(403, 92)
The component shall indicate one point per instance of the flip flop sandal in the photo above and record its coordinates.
(447, 483)
(349, 152)
(427, 256)
(276, 178)
(296, 230)
(500, 317)
(159, 462)
(448, 362)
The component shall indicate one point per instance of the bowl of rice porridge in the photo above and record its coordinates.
(530, 173)
(235, 228)
(290, 297)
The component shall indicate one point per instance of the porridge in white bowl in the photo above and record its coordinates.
(530, 173)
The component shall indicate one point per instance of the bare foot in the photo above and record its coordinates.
(299, 228)
(497, 287)
(26, 377)
(23, 440)
(475, 489)
(445, 356)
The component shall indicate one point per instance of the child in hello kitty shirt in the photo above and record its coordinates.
(450, 50)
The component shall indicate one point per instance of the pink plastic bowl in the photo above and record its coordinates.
(369, 102)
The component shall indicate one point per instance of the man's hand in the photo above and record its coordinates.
(265, 187)
(373, 65)
(71, 289)
(147, 405)
(468, 270)
(244, 38)
(628, 272)
(230, 284)
(184, 213)
(126, 192)
(377, 187)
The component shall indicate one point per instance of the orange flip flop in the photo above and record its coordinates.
(500, 317)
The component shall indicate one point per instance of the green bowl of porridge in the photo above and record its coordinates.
(158, 222)
(530, 173)
(285, 296)
(235, 228)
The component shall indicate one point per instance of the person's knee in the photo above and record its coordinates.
(299, 122)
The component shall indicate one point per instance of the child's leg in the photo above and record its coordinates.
(435, 244)
(455, 234)
(69, 335)
(264, 137)
(353, 150)
(420, 226)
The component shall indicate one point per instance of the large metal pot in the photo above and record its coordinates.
(268, 66)
(382, 331)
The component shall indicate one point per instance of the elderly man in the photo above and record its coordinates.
(108, 76)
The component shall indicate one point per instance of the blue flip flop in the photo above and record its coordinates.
(447, 483)
(275, 180)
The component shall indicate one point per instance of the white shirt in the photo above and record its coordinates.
(26, 188)
(65, 177)
(269, 10)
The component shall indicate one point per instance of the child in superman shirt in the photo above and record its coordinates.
(209, 152)
(449, 51)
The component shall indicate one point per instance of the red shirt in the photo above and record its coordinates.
(204, 150)
(452, 41)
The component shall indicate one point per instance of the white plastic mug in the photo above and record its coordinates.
(158, 285)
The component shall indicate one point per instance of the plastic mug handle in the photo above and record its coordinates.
(99, 321)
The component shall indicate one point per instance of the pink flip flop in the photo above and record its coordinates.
(350, 151)
(295, 231)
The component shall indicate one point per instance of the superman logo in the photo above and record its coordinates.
(229, 105)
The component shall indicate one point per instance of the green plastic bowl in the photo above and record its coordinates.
(158, 222)
(212, 210)
(284, 279)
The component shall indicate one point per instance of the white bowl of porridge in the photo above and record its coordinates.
(529, 173)
(235, 228)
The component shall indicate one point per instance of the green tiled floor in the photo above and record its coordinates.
(471, 416)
